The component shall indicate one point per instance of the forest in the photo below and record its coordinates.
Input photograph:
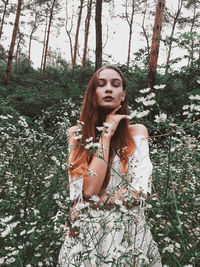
(40, 98)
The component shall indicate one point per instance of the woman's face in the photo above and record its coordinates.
(109, 91)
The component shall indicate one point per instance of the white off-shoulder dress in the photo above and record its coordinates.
(119, 236)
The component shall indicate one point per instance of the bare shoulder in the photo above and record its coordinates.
(138, 129)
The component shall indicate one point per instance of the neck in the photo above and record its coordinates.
(103, 112)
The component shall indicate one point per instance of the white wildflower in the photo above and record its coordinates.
(78, 137)
(90, 139)
(22, 122)
(198, 81)
(123, 209)
(185, 107)
(10, 260)
(132, 115)
(81, 206)
(171, 124)
(179, 212)
(160, 118)
(145, 90)
(194, 97)
(167, 239)
(142, 114)
(118, 202)
(95, 198)
(158, 87)
(88, 146)
(3, 117)
(22, 232)
(169, 249)
(140, 99)
(48, 177)
(55, 160)
(149, 102)
(107, 125)
(100, 128)
(56, 196)
(96, 145)
(7, 219)
(8, 229)
(152, 95)
(92, 173)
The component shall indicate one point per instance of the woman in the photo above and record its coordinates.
(109, 171)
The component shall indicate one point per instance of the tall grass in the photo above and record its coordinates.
(35, 195)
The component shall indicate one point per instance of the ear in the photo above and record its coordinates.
(123, 95)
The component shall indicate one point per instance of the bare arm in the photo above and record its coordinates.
(92, 184)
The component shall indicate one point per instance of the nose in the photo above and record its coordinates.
(108, 88)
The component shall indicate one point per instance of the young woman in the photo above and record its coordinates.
(109, 171)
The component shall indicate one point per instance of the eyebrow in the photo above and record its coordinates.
(115, 79)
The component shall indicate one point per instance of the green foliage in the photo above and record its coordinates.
(35, 116)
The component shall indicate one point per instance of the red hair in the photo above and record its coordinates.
(90, 116)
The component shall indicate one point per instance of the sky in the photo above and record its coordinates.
(116, 46)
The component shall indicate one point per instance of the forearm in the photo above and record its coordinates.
(93, 183)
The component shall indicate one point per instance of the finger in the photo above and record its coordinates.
(115, 110)
(121, 117)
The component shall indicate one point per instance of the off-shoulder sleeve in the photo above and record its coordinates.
(75, 185)
(140, 166)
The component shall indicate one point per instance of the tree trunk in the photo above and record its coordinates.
(17, 50)
(172, 34)
(77, 34)
(30, 39)
(98, 27)
(144, 30)
(29, 46)
(44, 41)
(47, 40)
(192, 41)
(153, 59)
(87, 26)
(3, 17)
(130, 23)
(12, 45)
(69, 32)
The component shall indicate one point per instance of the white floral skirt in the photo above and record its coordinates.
(110, 238)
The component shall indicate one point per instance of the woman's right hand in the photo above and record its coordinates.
(113, 119)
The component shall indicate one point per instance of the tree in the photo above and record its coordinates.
(19, 41)
(87, 26)
(129, 19)
(35, 13)
(44, 39)
(144, 32)
(153, 58)
(12, 44)
(51, 10)
(77, 33)
(173, 17)
(98, 28)
(194, 24)
(3, 16)
(69, 30)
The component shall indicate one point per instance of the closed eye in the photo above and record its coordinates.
(116, 82)
(101, 82)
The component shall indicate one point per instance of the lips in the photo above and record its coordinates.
(108, 98)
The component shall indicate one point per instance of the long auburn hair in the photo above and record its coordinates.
(121, 144)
